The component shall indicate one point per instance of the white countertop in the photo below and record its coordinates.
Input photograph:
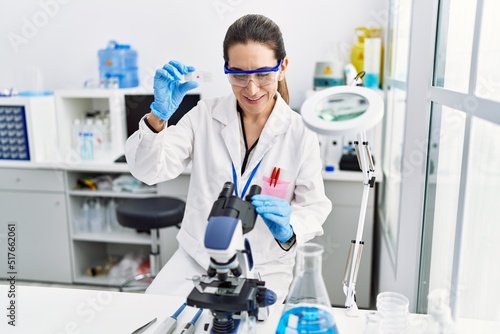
(110, 166)
(51, 310)
(64, 310)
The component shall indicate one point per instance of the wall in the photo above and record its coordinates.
(53, 44)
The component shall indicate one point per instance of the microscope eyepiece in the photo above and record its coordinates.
(254, 190)
(227, 190)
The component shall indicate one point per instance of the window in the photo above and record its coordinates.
(461, 226)
(395, 87)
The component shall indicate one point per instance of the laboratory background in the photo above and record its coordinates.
(431, 220)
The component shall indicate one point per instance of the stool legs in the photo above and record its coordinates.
(154, 264)
(154, 254)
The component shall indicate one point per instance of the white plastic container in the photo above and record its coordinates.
(372, 62)
(82, 221)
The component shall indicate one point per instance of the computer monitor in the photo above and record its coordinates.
(137, 105)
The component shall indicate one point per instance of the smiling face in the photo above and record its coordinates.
(253, 100)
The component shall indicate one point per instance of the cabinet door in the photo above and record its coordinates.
(42, 244)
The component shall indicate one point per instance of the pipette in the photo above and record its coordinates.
(190, 326)
(168, 325)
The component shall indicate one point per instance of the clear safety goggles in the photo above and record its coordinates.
(260, 77)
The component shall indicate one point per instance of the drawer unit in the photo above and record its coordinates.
(31, 179)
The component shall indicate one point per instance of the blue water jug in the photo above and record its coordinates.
(119, 61)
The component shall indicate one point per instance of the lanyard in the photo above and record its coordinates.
(235, 180)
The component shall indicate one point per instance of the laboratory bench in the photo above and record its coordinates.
(63, 310)
(67, 310)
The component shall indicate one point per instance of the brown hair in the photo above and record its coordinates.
(258, 28)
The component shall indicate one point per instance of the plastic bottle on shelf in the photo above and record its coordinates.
(107, 131)
(98, 134)
(111, 213)
(95, 216)
(82, 223)
(333, 152)
(76, 133)
(87, 147)
(106, 226)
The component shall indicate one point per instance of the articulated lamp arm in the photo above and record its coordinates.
(354, 258)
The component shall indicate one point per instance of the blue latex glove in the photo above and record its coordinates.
(276, 214)
(168, 90)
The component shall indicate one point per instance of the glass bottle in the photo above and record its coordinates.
(372, 325)
(307, 307)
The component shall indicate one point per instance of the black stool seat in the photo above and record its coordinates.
(150, 213)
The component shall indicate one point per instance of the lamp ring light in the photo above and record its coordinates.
(342, 110)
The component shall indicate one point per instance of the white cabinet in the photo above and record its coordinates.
(339, 229)
(34, 200)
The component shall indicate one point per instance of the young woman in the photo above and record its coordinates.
(241, 138)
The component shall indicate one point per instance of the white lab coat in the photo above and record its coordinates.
(209, 137)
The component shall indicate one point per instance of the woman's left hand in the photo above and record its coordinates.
(276, 214)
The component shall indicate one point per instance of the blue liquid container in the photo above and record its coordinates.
(119, 61)
(307, 308)
(306, 319)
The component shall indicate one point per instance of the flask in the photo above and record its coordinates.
(307, 307)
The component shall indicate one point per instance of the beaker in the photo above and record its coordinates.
(307, 307)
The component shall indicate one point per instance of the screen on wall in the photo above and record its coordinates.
(136, 106)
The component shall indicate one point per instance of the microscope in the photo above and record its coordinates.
(231, 290)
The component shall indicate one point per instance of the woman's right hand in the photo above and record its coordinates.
(168, 90)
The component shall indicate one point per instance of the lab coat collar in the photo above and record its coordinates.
(277, 124)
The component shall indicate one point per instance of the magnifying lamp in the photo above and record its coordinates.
(344, 110)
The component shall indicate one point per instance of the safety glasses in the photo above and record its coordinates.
(260, 77)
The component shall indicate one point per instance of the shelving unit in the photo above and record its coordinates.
(91, 249)
(74, 104)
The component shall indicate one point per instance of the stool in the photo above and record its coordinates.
(150, 214)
